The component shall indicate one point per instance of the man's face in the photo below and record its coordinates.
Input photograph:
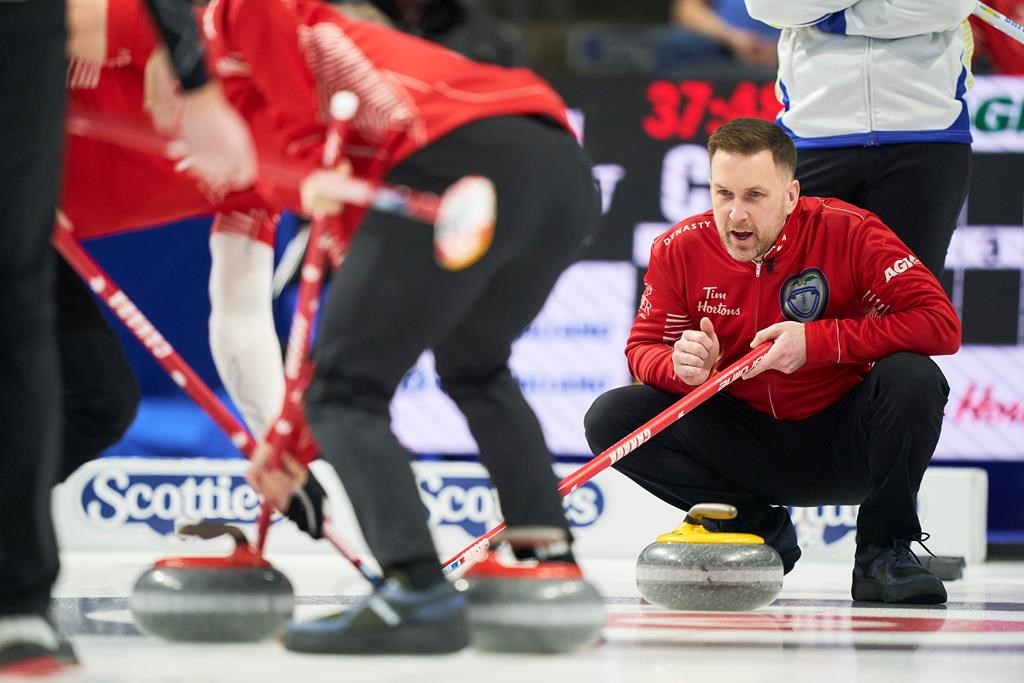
(751, 198)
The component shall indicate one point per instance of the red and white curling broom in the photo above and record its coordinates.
(624, 446)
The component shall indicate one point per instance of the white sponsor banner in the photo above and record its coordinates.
(952, 505)
(996, 105)
(612, 516)
(569, 355)
(985, 412)
(135, 504)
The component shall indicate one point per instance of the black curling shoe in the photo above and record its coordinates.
(893, 574)
(394, 619)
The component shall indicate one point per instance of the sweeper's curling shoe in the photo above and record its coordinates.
(692, 568)
(533, 606)
(238, 598)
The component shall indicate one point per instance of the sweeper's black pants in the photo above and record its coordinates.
(101, 394)
(870, 448)
(389, 302)
(917, 189)
(32, 71)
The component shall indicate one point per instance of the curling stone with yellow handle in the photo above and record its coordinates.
(692, 568)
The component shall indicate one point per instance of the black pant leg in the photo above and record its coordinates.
(386, 305)
(725, 451)
(472, 360)
(101, 393)
(835, 173)
(32, 72)
(708, 456)
(870, 448)
(899, 407)
(390, 301)
(918, 190)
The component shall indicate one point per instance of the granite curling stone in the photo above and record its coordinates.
(238, 598)
(547, 608)
(692, 568)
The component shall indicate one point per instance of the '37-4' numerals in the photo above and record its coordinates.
(679, 109)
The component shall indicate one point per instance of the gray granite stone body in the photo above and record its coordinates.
(239, 604)
(709, 576)
(534, 616)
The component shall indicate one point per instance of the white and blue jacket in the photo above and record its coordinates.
(873, 72)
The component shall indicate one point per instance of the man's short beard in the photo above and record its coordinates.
(746, 253)
(762, 244)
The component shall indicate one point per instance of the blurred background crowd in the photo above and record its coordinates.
(650, 37)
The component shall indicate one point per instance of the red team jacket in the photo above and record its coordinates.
(280, 61)
(108, 189)
(835, 267)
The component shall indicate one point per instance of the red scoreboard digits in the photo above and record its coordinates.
(681, 109)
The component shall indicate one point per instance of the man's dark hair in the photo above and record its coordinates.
(750, 136)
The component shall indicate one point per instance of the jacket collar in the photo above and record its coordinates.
(784, 239)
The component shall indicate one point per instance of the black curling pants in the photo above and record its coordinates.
(32, 72)
(389, 302)
(101, 394)
(870, 448)
(916, 189)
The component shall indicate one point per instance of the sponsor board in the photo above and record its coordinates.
(996, 105)
(134, 504)
(137, 503)
(951, 505)
(470, 502)
(826, 532)
(985, 411)
(114, 497)
(610, 516)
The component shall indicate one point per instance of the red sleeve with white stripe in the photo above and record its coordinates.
(660, 321)
(909, 310)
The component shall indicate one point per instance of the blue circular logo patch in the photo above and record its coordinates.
(804, 297)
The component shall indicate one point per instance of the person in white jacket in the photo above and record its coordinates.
(873, 97)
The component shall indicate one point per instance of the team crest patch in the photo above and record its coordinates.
(804, 297)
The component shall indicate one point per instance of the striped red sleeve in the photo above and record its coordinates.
(660, 321)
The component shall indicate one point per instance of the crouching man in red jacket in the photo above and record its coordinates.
(845, 408)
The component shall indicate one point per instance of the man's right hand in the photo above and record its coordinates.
(317, 193)
(307, 507)
(220, 147)
(276, 484)
(695, 353)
